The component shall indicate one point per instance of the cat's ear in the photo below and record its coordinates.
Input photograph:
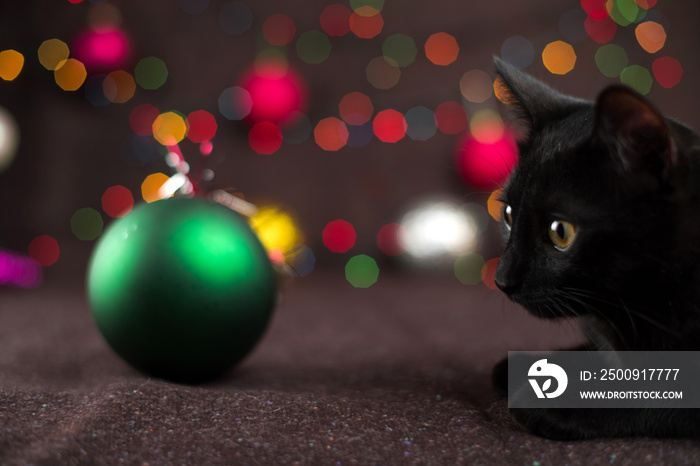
(532, 102)
(634, 131)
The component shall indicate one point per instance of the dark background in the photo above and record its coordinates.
(70, 149)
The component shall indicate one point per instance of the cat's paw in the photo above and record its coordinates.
(499, 377)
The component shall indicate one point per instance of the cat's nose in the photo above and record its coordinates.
(506, 287)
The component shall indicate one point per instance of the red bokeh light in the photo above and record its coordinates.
(103, 50)
(486, 165)
(201, 126)
(451, 118)
(44, 250)
(388, 239)
(596, 9)
(339, 236)
(141, 119)
(117, 201)
(279, 29)
(389, 125)
(265, 138)
(335, 20)
(276, 91)
(602, 31)
(667, 71)
(488, 273)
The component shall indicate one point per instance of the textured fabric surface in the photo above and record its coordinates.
(395, 374)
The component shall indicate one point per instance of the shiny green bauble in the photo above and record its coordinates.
(181, 288)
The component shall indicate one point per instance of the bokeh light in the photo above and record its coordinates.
(388, 239)
(486, 126)
(441, 49)
(141, 119)
(389, 125)
(488, 273)
(624, 12)
(638, 78)
(102, 50)
(611, 60)
(9, 138)
(366, 22)
(601, 31)
(486, 165)
(667, 71)
(103, 15)
(476, 86)
(276, 91)
(313, 47)
(301, 260)
(117, 201)
(451, 117)
(265, 138)
(339, 236)
(335, 20)
(355, 108)
(151, 73)
(420, 123)
(360, 136)
(400, 48)
(150, 188)
(11, 64)
(298, 132)
(94, 90)
(279, 29)
(383, 73)
(235, 103)
(235, 17)
(119, 86)
(435, 232)
(468, 267)
(18, 270)
(331, 134)
(651, 36)
(86, 224)
(376, 4)
(169, 128)
(52, 52)
(361, 271)
(70, 74)
(201, 126)
(596, 9)
(518, 51)
(44, 250)
(276, 229)
(559, 57)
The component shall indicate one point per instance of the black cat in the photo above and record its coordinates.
(602, 222)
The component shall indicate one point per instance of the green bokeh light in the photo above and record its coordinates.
(626, 12)
(151, 73)
(611, 60)
(86, 224)
(638, 78)
(362, 271)
(313, 47)
(376, 4)
(468, 268)
(400, 48)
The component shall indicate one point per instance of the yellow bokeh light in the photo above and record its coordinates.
(559, 57)
(651, 36)
(486, 126)
(169, 128)
(151, 185)
(70, 74)
(494, 206)
(11, 63)
(52, 52)
(276, 229)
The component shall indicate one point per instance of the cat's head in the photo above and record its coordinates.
(592, 212)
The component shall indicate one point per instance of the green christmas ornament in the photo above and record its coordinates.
(181, 288)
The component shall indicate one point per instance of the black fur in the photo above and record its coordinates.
(628, 179)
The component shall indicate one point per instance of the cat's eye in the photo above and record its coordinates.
(508, 216)
(562, 234)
